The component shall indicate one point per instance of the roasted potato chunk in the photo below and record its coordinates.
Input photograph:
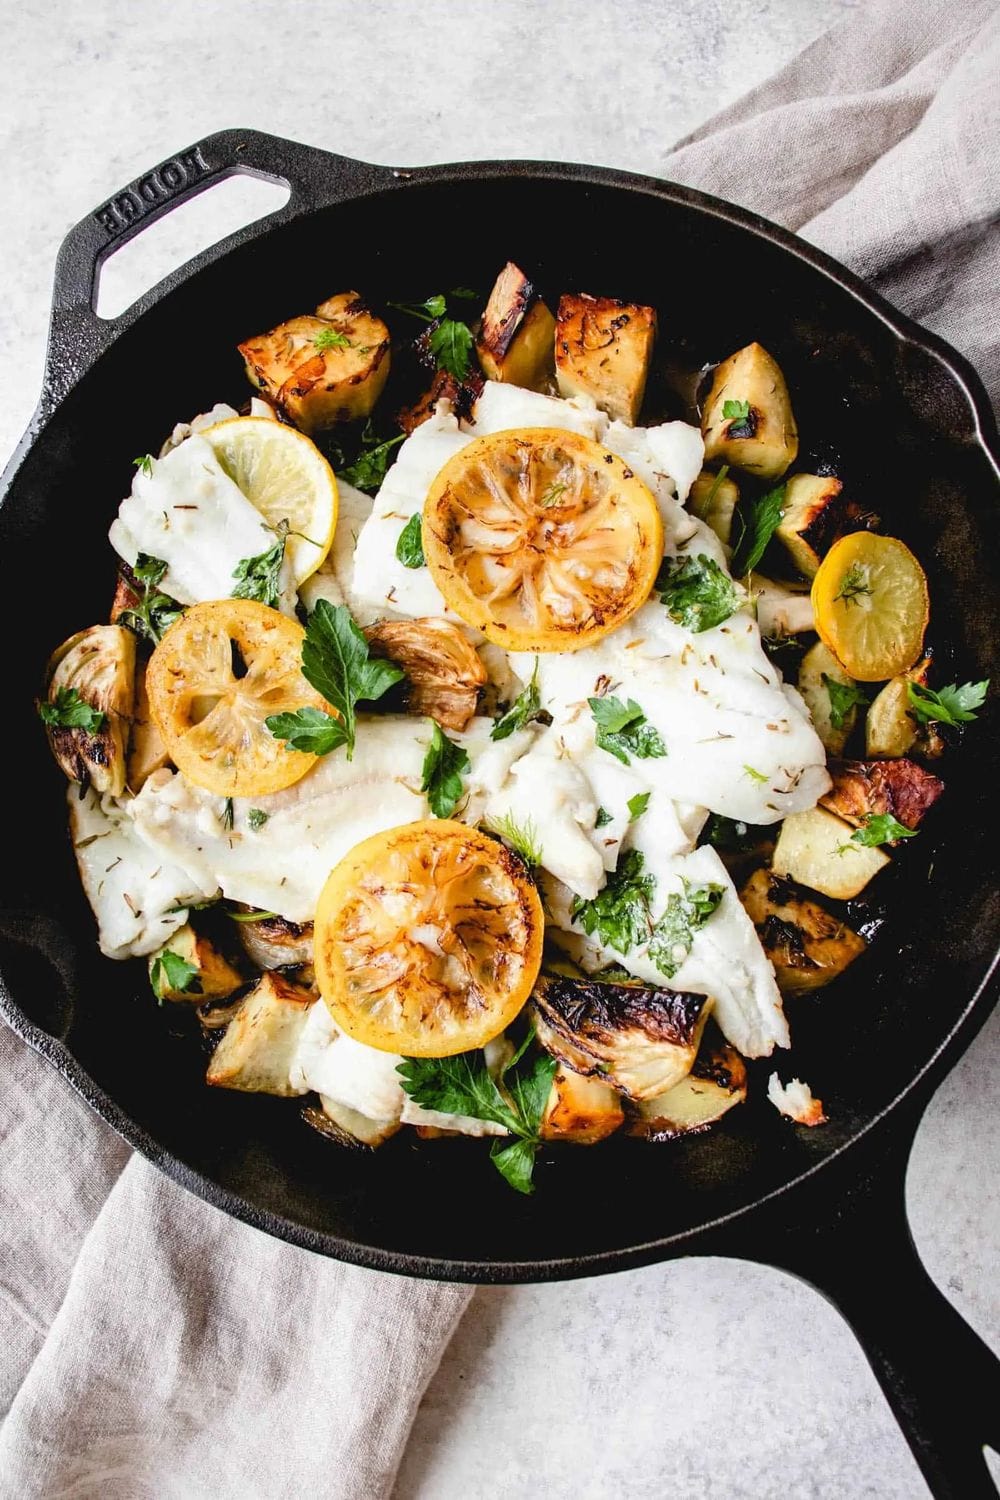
(146, 751)
(579, 1109)
(639, 1038)
(444, 674)
(257, 1047)
(346, 1126)
(91, 676)
(213, 978)
(714, 1085)
(807, 945)
(815, 514)
(815, 849)
(603, 350)
(515, 344)
(890, 728)
(748, 419)
(863, 788)
(819, 662)
(782, 608)
(713, 499)
(322, 369)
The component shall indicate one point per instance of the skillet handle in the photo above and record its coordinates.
(316, 179)
(940, 1378)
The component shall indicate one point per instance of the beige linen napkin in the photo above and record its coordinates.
(153, 1347)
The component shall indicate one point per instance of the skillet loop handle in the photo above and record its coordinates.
(941, 1380)
(315, 179)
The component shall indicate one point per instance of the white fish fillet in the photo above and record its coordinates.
(334, 580)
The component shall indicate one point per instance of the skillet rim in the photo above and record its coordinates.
(55, 389)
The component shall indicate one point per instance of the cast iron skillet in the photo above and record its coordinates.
(907, 424)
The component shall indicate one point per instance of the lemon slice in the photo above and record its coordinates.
(212, 682)
(541, 539)
(428, 939)
(871, 605)
(285, 476)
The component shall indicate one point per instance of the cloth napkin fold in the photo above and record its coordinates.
(154, 1349)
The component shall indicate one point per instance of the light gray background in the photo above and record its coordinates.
(702, 1378)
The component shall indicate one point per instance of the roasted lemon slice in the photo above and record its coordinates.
(214, 679)
(428, 939)
(541, 539)
(285, 476)
(871, 605)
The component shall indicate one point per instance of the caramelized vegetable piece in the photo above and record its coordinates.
(890, 728)
(815, 849)
(146, 751)
(257, 1047)
(461, 396)
(92, 671)
(807, 945)
(516, 341)
(579, 1109)
(201, 974)
(347, 1127)
(322, 369)
(815, 513)
(713, 499)
(748, 419)
(716, 1083)
(274, 942)
(818, 665)
(603, 350)
(444, 674)
(862, 788)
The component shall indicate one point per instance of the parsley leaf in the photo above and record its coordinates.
(256, 818)
(741, 417)
(522, 837)
(433, 308)
(451, 345)
(736, 411)
(673, 935)
(622, 730)
(69, 711)
(442, 772)
(463, 1085)
(525, 707)
(169, 971)
(259, 577)
(331, 338)
(880, 828)
(637, 805)
(765, 518)
(155, 611)
(336, 662)
(949, 705)
(368, 470)
(308, 729)
(696, 592)
(843, 697)
(145, 464)
(619, 914)
(603, 818)
(410, 547)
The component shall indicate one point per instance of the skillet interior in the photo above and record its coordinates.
(883, 412)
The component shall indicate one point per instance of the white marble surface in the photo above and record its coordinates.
(699, 1378)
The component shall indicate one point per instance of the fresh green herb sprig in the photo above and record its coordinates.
(368, 471)
(410, 546)
(622, 730)
(522, 837)
(686, 912)
(843, 697)
(603, 818)
(758, 522)
(696, 592)
(526, 707)
(879, 828)
(256, 818)
(331, 338)
(637, 805)
(69, 711)
(739, 415)
(144, 463)
(758, 776)
(948, 705)
(260, 577)
(855, 582)
(155, 611)
(169, 971)
(443, 768)
(450, 340)
(619, 915)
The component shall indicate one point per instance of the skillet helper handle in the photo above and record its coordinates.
(941, 1380)
(315, 179)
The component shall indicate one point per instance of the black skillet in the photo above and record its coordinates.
(905, 422)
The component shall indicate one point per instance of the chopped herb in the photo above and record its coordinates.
(619, 914)
(622, 730)
(843, 697)
(227, 813)
(686, 912)
(736, 411)
(757, 776)
(552, 495)
(764, 520)
(144, 463)
(330, 338)
(260, 577)
(637, 805)
(949, 705)
(463, 1085)
(336, 662)
(410, 547)
(443, 766)
(880, 828)
(256, 818)
(155, 611)
(733, 836)
(522, 837)
(856, 581)
(696, 592)
(251, 916)
(526, 707)
(69, 711)
(451, 345)
(169, 971)
(368, 470)
(603, 818)
(434, 307)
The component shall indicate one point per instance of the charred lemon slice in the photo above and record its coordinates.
(214, 679)
(541, 539)
(285, 476)
(428, 939)
(871, 605)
